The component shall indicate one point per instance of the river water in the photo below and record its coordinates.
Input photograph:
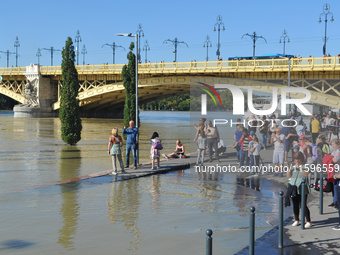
(161, 214)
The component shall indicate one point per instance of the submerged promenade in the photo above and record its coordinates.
(319, 239)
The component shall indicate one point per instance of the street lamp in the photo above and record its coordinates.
(146, 48)
(113, 46)
(140, 33)
(136, 37)
(207, 44)
(218, 24)
(84, 51)
(283, 39)
(38, 55)
(325, 13)
(254, 37)
(77, 40)
(16, 45)
(7, 54)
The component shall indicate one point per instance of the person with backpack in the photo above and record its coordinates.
(201, 139)
(213, 137)
(244, 141)
(115, 148)
(323, 145)
(156, 146)
(314, 157)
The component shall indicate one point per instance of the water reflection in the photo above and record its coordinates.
(70, 162)
(123, 206)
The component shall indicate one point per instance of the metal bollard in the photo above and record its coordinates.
(321, 193)
(252, 231)
(209, 242)
(303, 203)
(281, 193)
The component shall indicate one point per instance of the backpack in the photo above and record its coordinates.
(157, 145)
(325, 149)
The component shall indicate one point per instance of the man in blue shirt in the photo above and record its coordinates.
(131, 143)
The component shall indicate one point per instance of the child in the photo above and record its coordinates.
(251, 149)
(256, 154)
(154, 153)
(115, 150)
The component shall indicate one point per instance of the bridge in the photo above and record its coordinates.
(101, 86)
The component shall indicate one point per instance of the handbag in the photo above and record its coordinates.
(327, 185)
(158, 146)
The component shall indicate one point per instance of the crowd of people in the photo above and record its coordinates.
(319, 152)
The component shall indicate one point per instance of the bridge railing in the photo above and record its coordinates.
(258, 65)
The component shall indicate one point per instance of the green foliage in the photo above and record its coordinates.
(69, 112)
(7, 103)
(129, 82)
(174, 103)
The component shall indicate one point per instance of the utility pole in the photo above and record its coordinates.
(7, 53)
(175, 43)
(77, 40)
(113, 46)
(51, 50)
(84, 51)
(146, 48)
(254, 37)
(16, 45)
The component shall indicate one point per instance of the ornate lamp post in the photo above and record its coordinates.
(77, 40)
(84, 52)
(7, 54)
(325, 13)
(146, 48)
(16, 45)
(218, 24)
(207, 44)
(140, 33)
(283, 38)
(38, 55)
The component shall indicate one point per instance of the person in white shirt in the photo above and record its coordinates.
(278, 140)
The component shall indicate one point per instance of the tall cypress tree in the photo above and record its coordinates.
(129, 82)
(69, 112)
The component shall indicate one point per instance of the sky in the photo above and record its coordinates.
(46, 24)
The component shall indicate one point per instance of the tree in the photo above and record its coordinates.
(129, 82)
(69, 112)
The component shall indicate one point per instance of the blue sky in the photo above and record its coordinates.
(42, 24)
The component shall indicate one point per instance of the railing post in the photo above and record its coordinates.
(209, 242)
(303, 203)
(321, 193)
(281, 193)
(252, 231)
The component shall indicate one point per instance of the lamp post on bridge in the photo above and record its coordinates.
(140, 33)
(51, 50)
(218, 24)
(207, 44)
(84, 52)
(146, 48)
(7, 54)
(38, 55)
(16, 45)
(77, 40)
(175, 42)
(137, 124)
(325, 13)
(283, 38)
(254, 37)
(113, 46)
